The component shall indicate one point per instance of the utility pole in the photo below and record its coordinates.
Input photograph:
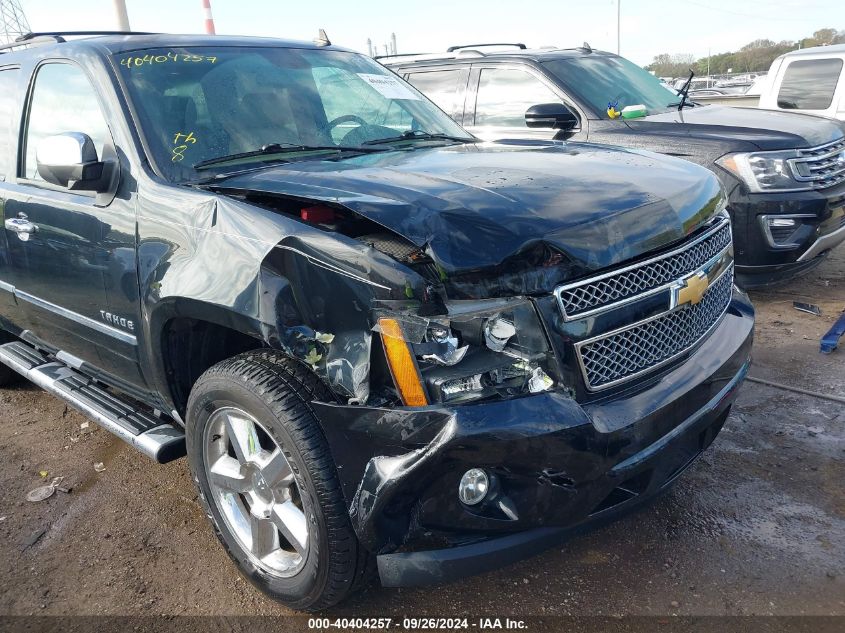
(12, 21)
(618, 27)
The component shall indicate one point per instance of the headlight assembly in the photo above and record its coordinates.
(764, 171)
(481, 349)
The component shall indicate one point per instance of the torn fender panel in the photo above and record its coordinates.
(387, 458)
(480, 206)
(299, 320)
(213, 258)
(316, 296)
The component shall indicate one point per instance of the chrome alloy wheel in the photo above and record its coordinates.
(254, 489)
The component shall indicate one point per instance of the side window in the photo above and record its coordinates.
(9, 119)
(444, 87)
(809, 84)
(504, 94)
(63, 100)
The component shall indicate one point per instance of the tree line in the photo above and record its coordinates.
(755, 56)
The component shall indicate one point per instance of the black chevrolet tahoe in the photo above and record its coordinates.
(381, 343)
(784, 172)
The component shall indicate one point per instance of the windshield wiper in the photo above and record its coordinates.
(280, 148)
(684, 92)
(413, 135)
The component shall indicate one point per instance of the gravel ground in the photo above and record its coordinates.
(756, 526)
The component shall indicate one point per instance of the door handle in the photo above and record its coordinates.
(22, 226)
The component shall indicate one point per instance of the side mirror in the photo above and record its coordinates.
(551, 115)
(70, 160)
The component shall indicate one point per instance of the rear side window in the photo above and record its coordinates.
(809, 84)
(504, 94)
(63, 101)
(9, 118)
(444, 87)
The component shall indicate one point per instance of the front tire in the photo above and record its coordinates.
(268, 482)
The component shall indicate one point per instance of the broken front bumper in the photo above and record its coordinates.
(557, 466)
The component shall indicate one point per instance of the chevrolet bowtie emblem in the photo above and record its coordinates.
(690, 290)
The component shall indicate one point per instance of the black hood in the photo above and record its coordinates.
(477, 206)
(765, 129)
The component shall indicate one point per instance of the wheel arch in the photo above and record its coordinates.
(187, 337)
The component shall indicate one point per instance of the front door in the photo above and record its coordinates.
(10, 116)
(68, 258)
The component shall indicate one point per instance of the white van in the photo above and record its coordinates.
(810, 80)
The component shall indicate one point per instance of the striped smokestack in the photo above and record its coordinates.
(209, 19)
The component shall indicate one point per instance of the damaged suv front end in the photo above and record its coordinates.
(516, 391)
(521, 337)
(527, 418)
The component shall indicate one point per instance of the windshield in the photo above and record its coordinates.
(200, 104)
(599, 80)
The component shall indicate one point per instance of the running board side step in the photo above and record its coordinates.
(157, 439)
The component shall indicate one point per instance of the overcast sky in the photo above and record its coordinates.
(649, 27)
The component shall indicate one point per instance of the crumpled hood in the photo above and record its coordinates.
(480, 205)
(766, 129)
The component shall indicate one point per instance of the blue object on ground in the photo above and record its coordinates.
(830, 341)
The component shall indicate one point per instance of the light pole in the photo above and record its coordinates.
(618, 27)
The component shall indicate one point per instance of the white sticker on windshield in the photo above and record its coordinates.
(390, 87)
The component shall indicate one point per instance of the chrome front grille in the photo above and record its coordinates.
(625, 353)
(822, 166)
(601, 293)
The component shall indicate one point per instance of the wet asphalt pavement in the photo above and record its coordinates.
(755, 527)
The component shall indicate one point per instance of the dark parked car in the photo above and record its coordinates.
(376, 338)
(784, 172)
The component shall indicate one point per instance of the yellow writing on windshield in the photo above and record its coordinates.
(180, 144)
(134, 61)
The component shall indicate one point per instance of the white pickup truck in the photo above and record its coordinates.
(809, 80)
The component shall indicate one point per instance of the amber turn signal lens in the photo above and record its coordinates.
(729, 163)
(404, 370)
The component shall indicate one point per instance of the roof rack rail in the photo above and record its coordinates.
(61, 34)
(399, 55)
(58, 37)
(452, 49)
(35, 40)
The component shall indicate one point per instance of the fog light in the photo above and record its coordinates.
(473, 487)
(782, 222)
